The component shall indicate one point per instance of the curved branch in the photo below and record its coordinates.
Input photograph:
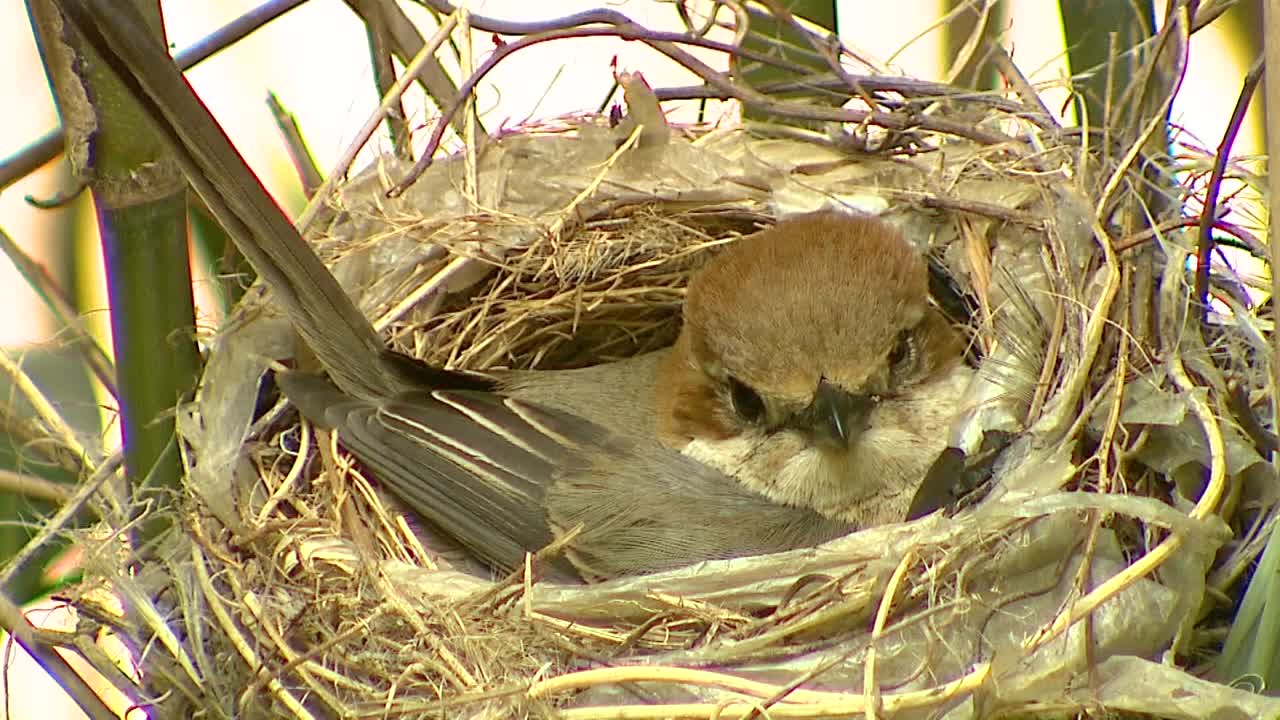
(618, 25)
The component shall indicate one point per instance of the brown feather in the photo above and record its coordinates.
(823, 295)
(828, 297)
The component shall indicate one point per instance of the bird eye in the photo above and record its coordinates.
(903, 354)
(746, 402)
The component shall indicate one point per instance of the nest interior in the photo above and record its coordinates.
(296, 589)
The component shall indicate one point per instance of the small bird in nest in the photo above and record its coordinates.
(810, 389)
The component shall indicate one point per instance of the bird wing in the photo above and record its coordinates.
(505, 477)
(475, 464)
(641, 507)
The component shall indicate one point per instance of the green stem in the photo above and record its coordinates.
(140, 199)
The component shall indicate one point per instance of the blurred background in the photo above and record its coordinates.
(315, 59)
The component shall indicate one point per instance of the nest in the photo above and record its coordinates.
(1086, 559)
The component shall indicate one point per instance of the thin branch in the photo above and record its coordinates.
(303, 162)
(1209, 11)
(83, 494)
(1209, 214)
(20, 484)
(913, 90)
(973, 207)
(13, 620)
(384, 78)
(39, 280)
(424, 57)
(405, 42)
(47, 147)
(1239, 237)
(44, 408)
(1271, 97)
(1019, 83)
(668, 44)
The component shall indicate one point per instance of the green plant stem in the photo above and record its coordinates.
(140, 200)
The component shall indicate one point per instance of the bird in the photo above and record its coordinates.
(809, 390)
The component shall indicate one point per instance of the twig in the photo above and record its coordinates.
(1271, 34)
(435, 284)
(384, 78)
(1209, 213)
(1020, 84)
(605, 17)
(55, 524)
(825, 47)
(1132, 154)
(59, 669)
(1244, 239)
(620, 26)
(1073, 385)
(21, 484)
(1052, 356)
(233, 32)
(683, 12)
(660, 673)
(28, 433)
(303, 162)
(46, 148)
(366, 131)
(64, 312)
(1208, 11)
(404, 40)
(44, 409)
(293, 660)
(970, 207)
(915, 91)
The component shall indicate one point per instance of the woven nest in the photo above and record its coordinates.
(1098, 431)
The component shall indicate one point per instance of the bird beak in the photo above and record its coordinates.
(837, 418)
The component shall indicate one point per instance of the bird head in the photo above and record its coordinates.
(802, 346)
